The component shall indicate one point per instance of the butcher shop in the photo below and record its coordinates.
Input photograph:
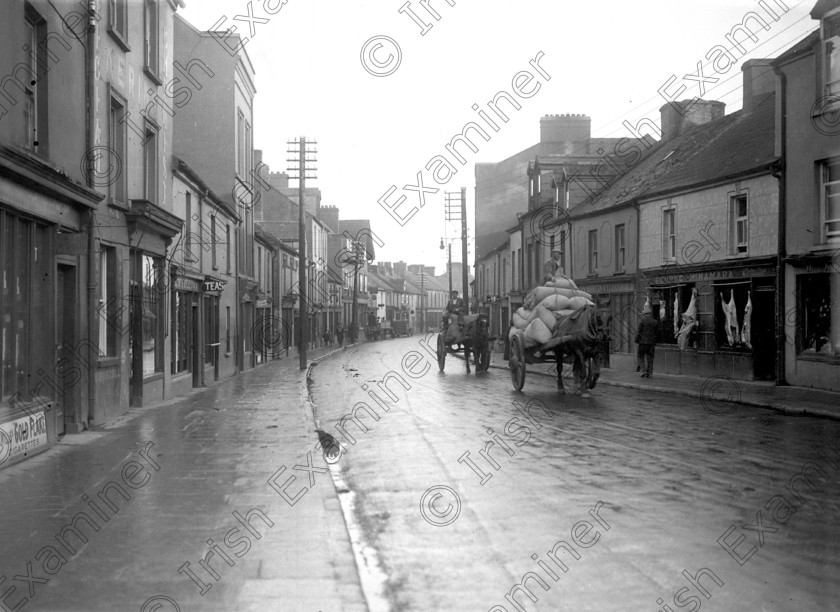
(717, 321)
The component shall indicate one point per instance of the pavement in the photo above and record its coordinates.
(175, 482)
(718, 394)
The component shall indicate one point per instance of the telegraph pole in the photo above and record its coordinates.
(299, 146)
(456, 210)
(464, 270)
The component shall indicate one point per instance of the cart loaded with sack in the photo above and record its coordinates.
(557, 322)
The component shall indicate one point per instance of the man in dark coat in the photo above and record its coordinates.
(646, 338)
(456, 306)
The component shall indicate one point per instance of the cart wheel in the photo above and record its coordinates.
(441, 352)
(517, 363)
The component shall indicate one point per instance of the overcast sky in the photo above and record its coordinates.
(605, 59)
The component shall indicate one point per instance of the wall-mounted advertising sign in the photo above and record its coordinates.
(214, 285)
(20, 436)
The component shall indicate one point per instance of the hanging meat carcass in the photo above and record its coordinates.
(676, 313)
(746, 330)
(689, 321)
(731, 318)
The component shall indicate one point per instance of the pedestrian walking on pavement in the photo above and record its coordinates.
(339, 331)
(646, 337)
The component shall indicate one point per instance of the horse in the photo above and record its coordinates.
(474, 337)
(581, 338)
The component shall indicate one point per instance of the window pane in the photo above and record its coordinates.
(6, 344)
(20, 317)
(832, 172)
(832, 207)
(149, 301)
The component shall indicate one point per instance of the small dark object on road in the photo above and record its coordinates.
(330, 446)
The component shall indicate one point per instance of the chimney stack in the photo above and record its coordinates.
(565, 128)
(329, 215)
(698, 112)
(759, 80)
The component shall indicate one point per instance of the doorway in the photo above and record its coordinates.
(763, 333)
(66, 304)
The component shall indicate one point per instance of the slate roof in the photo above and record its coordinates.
(731, 146)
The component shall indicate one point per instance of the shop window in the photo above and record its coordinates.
(620, 248)
(663, 307)
(738, 225)
(831, 54)
(227, 329)
(151, 309)
(669, 234)
(724, 295)
(830, 195)
(16, 265)
(111, 308)
(814, 314)
(27, 348)
(593, 251)
(182, 331)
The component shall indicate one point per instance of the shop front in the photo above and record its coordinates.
(211, 340)
(736, 310)
(812, 320)
(150, 232)
(185, 334)
(45, 356)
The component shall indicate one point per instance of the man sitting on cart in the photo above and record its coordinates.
(456, 306)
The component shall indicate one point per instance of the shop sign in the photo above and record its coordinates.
(262, 303)
(22, 435)
(186, 284)
(214, 285)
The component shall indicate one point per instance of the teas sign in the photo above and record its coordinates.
(20, 436)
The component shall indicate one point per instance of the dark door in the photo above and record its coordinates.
(65, 406)
(763, 332)
(195, 344)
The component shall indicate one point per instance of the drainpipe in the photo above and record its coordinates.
(780, 172)
(90, 137)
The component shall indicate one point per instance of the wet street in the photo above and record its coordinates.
(611, 503)
(449, 492)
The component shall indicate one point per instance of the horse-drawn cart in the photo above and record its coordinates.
(557, 323)
(400, 327)
(579, 347)
(472, 338)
